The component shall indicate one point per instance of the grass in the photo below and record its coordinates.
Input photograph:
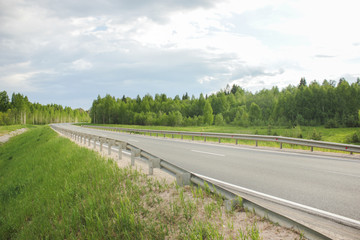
(9, 128)
(338, 135)
(53, 189)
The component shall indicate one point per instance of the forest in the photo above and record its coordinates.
(20, 111)
(332, 104)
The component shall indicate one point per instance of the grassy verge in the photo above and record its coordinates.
(9, 128)
(53, 189)
(338, 135)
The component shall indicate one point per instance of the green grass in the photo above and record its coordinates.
(9, 128)
(53, 189)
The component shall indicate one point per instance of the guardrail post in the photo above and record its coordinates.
(280, 145)
(312, 148)
(150, 134)
(236, 141)
(89, 141)
(204, 139)
(153, 163)
(192, 138)
(157, 135)
(183, 179)
(134, 153)
(110, 143)
(164, 135)
(351, 153)
(256, 143)
(182, 136)
(95, 140)
(219, 140)
(172, 135)
(101, 144)
(120, 149)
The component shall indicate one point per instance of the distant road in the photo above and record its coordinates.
(328, 183)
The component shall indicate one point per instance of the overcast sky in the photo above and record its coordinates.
(69, 51)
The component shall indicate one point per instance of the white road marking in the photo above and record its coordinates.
(276, 199)
(133, 140)
(216, 154)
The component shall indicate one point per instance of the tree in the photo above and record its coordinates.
(208, 114)
(235, 88)
(4, 101)
(302, 82)
(254, 112)
(185, 97)
(219, 120)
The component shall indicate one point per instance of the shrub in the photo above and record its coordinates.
(316, 135)
(331, 123)
(353, 138)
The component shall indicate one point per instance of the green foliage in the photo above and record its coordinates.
(306, 105)
(353, 138)
(4, 101)
(53, 189)
(331, 123)
(208, 114)
(21, 111)
(316, 135)
(254, 113)
(219, 120)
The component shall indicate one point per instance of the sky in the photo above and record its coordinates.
(68, 52)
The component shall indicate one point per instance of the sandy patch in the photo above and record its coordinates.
(6, 137)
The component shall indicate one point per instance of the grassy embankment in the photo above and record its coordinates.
(338, 135)
(53, 189)
(9, 128)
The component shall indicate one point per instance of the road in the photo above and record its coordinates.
(328, 183)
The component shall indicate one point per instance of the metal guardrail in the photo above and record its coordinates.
(279, 139)
(184, 177)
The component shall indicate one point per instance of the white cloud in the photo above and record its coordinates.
(164, 44)
(16, 81)
(81, 65)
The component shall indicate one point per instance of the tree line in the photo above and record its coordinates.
(331, 103)
(19, 110)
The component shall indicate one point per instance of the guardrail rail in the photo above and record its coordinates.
(264, 138)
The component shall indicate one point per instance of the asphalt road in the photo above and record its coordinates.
(328, 183)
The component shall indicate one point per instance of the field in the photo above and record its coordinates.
(53, 189)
